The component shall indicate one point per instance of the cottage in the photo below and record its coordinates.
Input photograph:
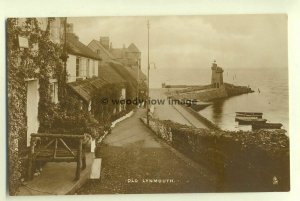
(89, 73)
(32, 83)
(82, 61)
(129, 58)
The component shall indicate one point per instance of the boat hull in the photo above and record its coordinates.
(266, 126)
(249, 114)
(249, 121)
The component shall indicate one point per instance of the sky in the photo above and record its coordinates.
(234, 41)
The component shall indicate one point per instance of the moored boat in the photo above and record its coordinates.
(249, 120)
(266, 125)
(249, 114)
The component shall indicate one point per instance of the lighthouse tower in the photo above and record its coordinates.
(216, 75)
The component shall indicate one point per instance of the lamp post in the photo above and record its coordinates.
(147, 104)
(138, 79)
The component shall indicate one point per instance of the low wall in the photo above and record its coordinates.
(202, 119)
(243, 161)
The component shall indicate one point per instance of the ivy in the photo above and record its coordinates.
(104, 112)
(28, 63)
(43, 60)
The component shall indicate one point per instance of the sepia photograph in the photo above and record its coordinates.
(147, 104)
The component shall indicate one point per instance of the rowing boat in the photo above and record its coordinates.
(249, 114)
(249, 120)
(266, 125)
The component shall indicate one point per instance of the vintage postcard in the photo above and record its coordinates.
(148, 104)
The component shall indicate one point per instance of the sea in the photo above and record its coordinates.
(270, 85)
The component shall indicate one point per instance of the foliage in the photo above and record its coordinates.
(27, 63)
(104, 111)
(243, 160)
(67, 117)
(43, 60)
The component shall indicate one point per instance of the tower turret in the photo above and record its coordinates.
(216, 75)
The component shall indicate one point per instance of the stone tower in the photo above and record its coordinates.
(216, 75)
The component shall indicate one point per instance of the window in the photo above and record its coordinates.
(54, 92)
(98, 51)
(94, 70)
(123, 93)
(77, 66)
(82, 71)
(88, 68)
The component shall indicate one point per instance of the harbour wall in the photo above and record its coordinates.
(207, 93)
(202, 95)
(243, 161)
(202, 119)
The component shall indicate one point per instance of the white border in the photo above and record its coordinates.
(21, 8)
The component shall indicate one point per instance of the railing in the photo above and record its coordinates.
(54, 148)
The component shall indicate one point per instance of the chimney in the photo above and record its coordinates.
(104, 41)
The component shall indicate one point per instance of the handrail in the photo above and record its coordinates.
(57, 135)
(75, 156)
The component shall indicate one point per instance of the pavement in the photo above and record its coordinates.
(57, 179)
(173, 112)
(135, 160)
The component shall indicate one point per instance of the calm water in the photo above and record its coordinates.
(272, 99)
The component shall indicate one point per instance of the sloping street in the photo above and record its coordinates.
(134, 160)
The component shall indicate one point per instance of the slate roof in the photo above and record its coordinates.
(75, 47)
(107, 73)
(86, 88)
(133, 48)
(117, 52)
(102, 48)
(124, 73)
(133, 72)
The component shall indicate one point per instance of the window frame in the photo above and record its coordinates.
(77, 66)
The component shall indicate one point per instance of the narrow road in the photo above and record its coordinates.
(134, 160)
(173, 112)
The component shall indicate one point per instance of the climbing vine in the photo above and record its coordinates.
(104, 111)
(43, 60)
(37, 61)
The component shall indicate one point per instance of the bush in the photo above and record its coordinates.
(67, 117)
(243, 161)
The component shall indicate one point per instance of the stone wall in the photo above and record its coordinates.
(233, 90)
(207, 93)
(203, 95)
(243, 161)
(160, 129)
(201, 118)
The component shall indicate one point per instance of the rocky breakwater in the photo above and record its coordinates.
(243, 161)
(209, 93)
(233, 90)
